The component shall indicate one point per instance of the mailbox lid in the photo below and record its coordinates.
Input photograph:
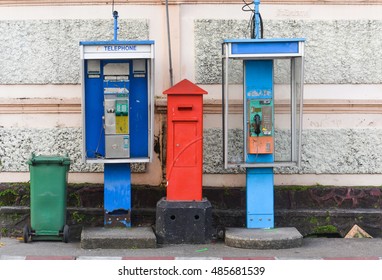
(185, 102)
(185, 87)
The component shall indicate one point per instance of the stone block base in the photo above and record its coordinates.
(183, 222)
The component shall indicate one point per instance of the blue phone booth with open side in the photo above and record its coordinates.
(267, 114)
(263, 79)
(262, 105)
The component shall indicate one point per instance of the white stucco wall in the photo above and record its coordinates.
(39, 60)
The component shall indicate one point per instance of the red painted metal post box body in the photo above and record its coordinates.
(184, 141)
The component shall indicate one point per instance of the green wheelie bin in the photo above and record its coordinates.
(48, 184)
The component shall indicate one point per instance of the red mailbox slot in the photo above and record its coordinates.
(184, 141)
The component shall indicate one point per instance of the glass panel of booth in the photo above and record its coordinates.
(299, 84)
(240, 109)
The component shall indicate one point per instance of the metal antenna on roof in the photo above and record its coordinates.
(115, 15)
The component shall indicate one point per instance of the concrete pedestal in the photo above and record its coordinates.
(118, 238)
(276, 238)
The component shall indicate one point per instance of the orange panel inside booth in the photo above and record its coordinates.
(260, 145)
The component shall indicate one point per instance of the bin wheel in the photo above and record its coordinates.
(26, 233)
(66, 234)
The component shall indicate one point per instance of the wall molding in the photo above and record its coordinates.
(177, 2)
(40, 106)
(310, 107)
(73, 106)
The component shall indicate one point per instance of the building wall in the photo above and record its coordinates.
(40, 88)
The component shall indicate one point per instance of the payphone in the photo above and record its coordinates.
(118, 115)
(259, 110)
(116, 110)
(117, 104)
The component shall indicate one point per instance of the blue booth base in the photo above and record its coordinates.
(117, 195)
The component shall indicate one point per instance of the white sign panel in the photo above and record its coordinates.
(118, 51)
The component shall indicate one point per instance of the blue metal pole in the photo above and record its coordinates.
(117, 194)
(257, 19)
(115, 15)
(259, 181)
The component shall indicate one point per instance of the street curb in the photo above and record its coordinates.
(126, 258)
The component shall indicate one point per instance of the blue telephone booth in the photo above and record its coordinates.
(262, 105)
(118, 116)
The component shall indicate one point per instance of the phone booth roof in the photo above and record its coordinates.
(270, 48)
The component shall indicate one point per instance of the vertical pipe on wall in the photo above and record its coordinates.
(169, 45)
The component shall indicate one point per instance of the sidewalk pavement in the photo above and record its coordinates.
(312, 249)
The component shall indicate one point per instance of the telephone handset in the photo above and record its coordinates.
(257, 124)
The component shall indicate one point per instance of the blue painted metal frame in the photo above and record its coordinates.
(139, 122)
(117, 176)
(268, 40)
(260, 197)
(258, 78)
(95, 135)
(257, 19)
(265, 46)
(117, 193)
(115, 16)
(260, 181)
(138, 118)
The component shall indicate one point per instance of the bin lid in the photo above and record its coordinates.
(49, 159)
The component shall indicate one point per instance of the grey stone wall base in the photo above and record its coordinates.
(309, 222)
(331, 222)
(314, 210)
(276, 238)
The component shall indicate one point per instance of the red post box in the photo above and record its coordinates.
(184, 141)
